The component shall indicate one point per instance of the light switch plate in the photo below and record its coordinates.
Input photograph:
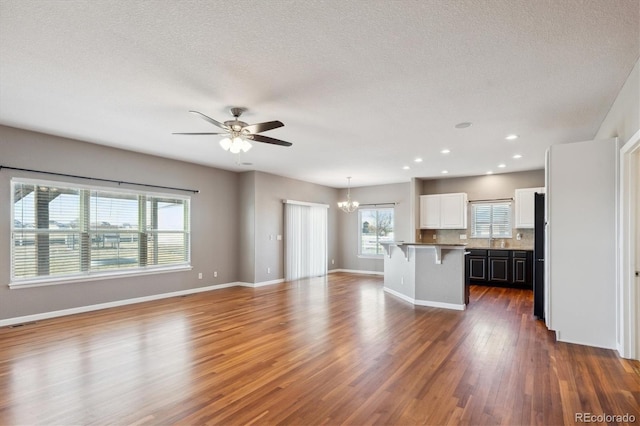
(463, 236)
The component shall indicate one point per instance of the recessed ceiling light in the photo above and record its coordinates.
(444, 172)
(512, 137)
(445, 151)
(489, 172)
(502, 166)
(517, 156)
(463, 125)
(418, 160)
(406, 168)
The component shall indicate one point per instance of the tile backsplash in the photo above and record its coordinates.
(452, 236)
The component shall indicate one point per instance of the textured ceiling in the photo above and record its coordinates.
(363, 87)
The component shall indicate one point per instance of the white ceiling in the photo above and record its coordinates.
(363, 86)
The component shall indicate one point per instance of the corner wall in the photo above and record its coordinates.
(214, 219)
(268, 192)
(348, 223)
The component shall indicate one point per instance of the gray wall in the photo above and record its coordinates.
(247, 230)
(214, 243)
(266, 192)
(486, 187)
(348, 222)
(482, 188)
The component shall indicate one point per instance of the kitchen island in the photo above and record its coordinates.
(426, 274)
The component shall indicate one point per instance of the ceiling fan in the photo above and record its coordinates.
(238, 133)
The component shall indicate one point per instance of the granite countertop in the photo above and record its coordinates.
(499, 248)
(402, 243)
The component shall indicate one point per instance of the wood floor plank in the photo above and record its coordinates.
(325, 351)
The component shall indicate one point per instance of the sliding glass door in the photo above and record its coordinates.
(305, 240)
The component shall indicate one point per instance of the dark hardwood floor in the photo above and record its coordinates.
(334, 350)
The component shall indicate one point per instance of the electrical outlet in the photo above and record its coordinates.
(215, 274)
(434, 236)
(199, 275)
(333, 261)
(268, 270)
(463, 236)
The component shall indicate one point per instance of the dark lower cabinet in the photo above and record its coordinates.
(499, 267)
(506, 267)
(522, 267)
(477, 268)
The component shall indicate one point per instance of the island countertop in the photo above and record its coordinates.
(426, 274)
(402, 243)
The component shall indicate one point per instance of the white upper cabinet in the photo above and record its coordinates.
(525, 210)
(443, 211)
(429, 211)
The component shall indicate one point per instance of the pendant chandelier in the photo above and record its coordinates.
(348, 206)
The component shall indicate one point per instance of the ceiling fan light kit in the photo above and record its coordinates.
(238, 133)
(235, 145)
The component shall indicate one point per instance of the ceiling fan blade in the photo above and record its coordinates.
(266, 139)
(211, 120)
(205, 133)
(263, 127)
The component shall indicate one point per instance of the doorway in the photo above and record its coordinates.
(628, 294)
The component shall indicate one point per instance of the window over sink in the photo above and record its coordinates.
(491, 219)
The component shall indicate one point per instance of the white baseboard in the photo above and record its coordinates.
(580, 342)
(355, 271)
(399, 295)
(428, 303)
(99, 306)
(443, 305)
(262, 284)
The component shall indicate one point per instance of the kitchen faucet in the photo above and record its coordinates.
(490, 234)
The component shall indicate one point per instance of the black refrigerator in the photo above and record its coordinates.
(538, 256)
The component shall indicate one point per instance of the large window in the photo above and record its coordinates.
(64, 230)
(491, 220)
(375, 227)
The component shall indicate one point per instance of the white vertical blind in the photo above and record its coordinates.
(305, 241)
(318, 241)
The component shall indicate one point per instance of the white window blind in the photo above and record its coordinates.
(66, 230)
(491, 220)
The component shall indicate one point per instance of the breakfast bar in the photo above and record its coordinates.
(426, 274)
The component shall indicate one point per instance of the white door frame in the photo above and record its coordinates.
(628, 305)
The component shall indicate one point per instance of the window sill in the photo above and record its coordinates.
(95, 277)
